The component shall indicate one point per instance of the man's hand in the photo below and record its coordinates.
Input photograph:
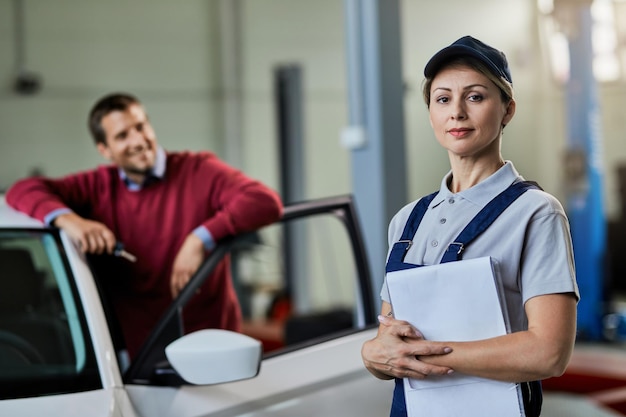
(186, 263)
(395, 351)
(91, 236)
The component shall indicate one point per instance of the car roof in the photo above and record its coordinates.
(13, 218)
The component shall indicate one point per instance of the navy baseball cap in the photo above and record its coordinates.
(468, 46)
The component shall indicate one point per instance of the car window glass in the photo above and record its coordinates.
(44, 343)
(297, 281)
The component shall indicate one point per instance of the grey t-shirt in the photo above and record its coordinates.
(529, 242)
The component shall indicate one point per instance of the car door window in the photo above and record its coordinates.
(297, 281)
(305, 278)
(45, 346)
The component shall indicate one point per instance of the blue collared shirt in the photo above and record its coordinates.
(157, 172)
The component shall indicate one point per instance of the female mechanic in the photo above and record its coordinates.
(469, 95)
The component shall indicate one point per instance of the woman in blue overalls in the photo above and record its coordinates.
(469, 95)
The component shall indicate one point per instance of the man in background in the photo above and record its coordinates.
(167, 208)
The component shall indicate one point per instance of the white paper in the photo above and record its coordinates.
(454, 301)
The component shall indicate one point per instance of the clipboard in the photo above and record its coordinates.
(454, 301)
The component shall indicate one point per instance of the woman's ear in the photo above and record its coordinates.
(510, 112)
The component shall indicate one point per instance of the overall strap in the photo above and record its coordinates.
(400, 248)
(484, 218)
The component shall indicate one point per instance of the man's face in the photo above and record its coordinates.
(130, 141)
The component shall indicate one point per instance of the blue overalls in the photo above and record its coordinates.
(531, 391)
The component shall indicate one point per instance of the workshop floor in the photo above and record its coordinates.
(594, 384)
(572, 405)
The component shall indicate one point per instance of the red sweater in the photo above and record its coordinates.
(153, 223)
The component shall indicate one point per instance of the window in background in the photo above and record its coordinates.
(608, 21)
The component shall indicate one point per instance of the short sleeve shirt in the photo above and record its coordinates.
(529, 243)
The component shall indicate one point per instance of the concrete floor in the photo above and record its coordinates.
(570, 405)
(594, 382)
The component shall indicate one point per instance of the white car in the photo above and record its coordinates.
(305, 291)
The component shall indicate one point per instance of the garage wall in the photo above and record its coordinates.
(309, 34)
(161, 50)
(168, 53)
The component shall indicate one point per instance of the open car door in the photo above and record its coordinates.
(305, 290)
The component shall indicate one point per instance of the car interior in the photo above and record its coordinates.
(43, 343)
(30, 314)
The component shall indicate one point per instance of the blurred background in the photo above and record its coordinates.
(210, 74)
(321, 98)
(205, 68)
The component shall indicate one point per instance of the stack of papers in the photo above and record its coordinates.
(455, 301)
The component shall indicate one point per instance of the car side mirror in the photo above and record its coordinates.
(214, 356)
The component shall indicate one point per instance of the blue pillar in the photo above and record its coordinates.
(585, 199)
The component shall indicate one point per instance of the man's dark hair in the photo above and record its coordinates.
(104, 106)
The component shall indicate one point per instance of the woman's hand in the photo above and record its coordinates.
(395, 351)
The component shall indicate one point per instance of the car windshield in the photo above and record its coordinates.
(45, 345)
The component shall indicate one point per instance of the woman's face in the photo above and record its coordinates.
(467, 112)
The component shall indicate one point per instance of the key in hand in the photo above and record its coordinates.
(120, 251)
